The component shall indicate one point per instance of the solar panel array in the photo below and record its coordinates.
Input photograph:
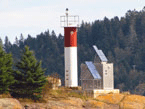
(100, 54)
(93, 70)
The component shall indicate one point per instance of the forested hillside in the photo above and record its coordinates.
(121, 39)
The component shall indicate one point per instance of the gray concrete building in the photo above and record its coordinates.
(98, 76)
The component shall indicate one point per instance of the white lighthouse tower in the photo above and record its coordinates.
(70, 24)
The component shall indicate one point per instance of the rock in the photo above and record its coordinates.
(33, 106)
(72, 101)
(10, 103)
(108, 101)
(125, 101)
(133, 102)
(93, 104)
(111, 98)
(135, 98)
(131, 105)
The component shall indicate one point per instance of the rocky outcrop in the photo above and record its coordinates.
(111, 98)
(108, 101)
(70, 103)
(133, 102)
(10, 103)
(120, 101)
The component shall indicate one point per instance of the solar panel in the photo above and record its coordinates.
(93, 70)
(95, 47)
(100, 54)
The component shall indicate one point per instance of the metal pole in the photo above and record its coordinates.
(67, 17)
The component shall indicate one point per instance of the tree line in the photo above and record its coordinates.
(121, 39)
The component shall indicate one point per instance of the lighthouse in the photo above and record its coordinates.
(70, 25)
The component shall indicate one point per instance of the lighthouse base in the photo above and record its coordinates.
(71, 71)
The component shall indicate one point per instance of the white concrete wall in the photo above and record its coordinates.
(71, 67)
(108, 76)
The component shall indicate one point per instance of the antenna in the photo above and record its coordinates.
(67, 16)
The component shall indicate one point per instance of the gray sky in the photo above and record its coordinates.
(36, 16)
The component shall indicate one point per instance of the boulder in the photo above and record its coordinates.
(10, 103)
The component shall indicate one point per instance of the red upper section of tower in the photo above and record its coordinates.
(70, 36)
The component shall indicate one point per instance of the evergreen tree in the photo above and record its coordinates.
(16, 41)
(7, 45)
(6, 78)
(21, 38)
(29, 76)
(21, 41)
(53, 35)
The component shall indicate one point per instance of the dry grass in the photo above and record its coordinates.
(78, 95)
(131, 105)
(94, 104)
(63, 93)
(74, 102)
(26, 100)
(133, 102)
(135, 98)
(49, 94)
(110, 98)
(126, 93)
(6, 95)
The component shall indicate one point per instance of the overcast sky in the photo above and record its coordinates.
(36, 16)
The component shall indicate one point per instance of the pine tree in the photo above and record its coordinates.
(6, 78)
(7, 45)
(21, 38)
(21, 41)
(16, 41)
(29, 76)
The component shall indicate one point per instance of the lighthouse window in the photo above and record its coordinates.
(66, 70)
(105, 73)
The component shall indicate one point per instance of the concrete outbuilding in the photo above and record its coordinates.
(98, 77)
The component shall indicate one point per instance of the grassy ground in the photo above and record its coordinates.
(62, 93)
(72, 97)
(75, 96)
